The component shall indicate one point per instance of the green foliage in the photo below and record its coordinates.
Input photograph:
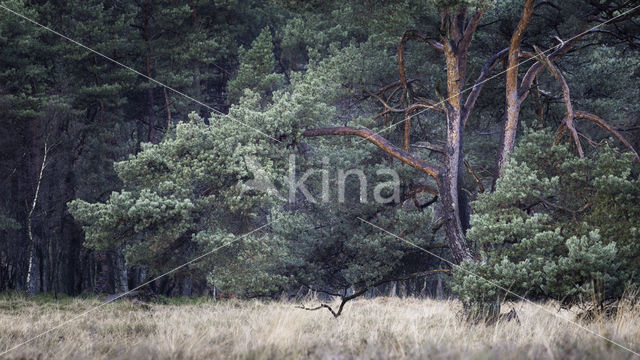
(7, 223)
(461, 4)
(557, 226)
(189, 194)
(255, 72)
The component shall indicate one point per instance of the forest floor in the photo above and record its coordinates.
(368, 329)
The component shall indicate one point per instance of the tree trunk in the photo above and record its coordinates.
(121, 282)
(454, 201)
(457, 33)
(32, 273)
(147, 39)
(508, 138)
(167, 104)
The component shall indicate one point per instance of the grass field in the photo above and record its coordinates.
(368, 329)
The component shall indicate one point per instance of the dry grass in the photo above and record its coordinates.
(378, 328)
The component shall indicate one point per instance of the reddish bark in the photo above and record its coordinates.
(455, 41)
(513, 101)
(382, 143)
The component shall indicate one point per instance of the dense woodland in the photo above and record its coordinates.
(512, 126)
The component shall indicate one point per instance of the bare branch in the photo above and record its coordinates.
(534, 70)
(415, 34)
(477, 88)
(603, 124)
(365, 288)
(475, 177)
(389, 108)
(568, 120)
(380, 142)
(408, 35)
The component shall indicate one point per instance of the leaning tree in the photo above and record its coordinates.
(459, 21)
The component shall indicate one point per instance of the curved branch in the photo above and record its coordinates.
(477, 88)
(415, 34)
(408, 35)
(380, 142)
(433, 105)
(571, 114)
(534, 70)
(389, 108)
(603, 124)
(566, 94)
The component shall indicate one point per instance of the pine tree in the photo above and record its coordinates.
(557, 226)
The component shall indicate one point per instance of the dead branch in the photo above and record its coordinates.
(437, 106)
(589, 140)
(571, 114)
(365, 288)
(475, 177)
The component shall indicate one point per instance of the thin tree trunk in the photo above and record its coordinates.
(121, 283)
(147, 38)
(167, 104)
(30, 282)
(196, 65)
(97, 79)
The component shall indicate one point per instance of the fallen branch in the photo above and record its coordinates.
(362, 291)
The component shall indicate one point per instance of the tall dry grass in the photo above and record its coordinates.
(368, 329)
